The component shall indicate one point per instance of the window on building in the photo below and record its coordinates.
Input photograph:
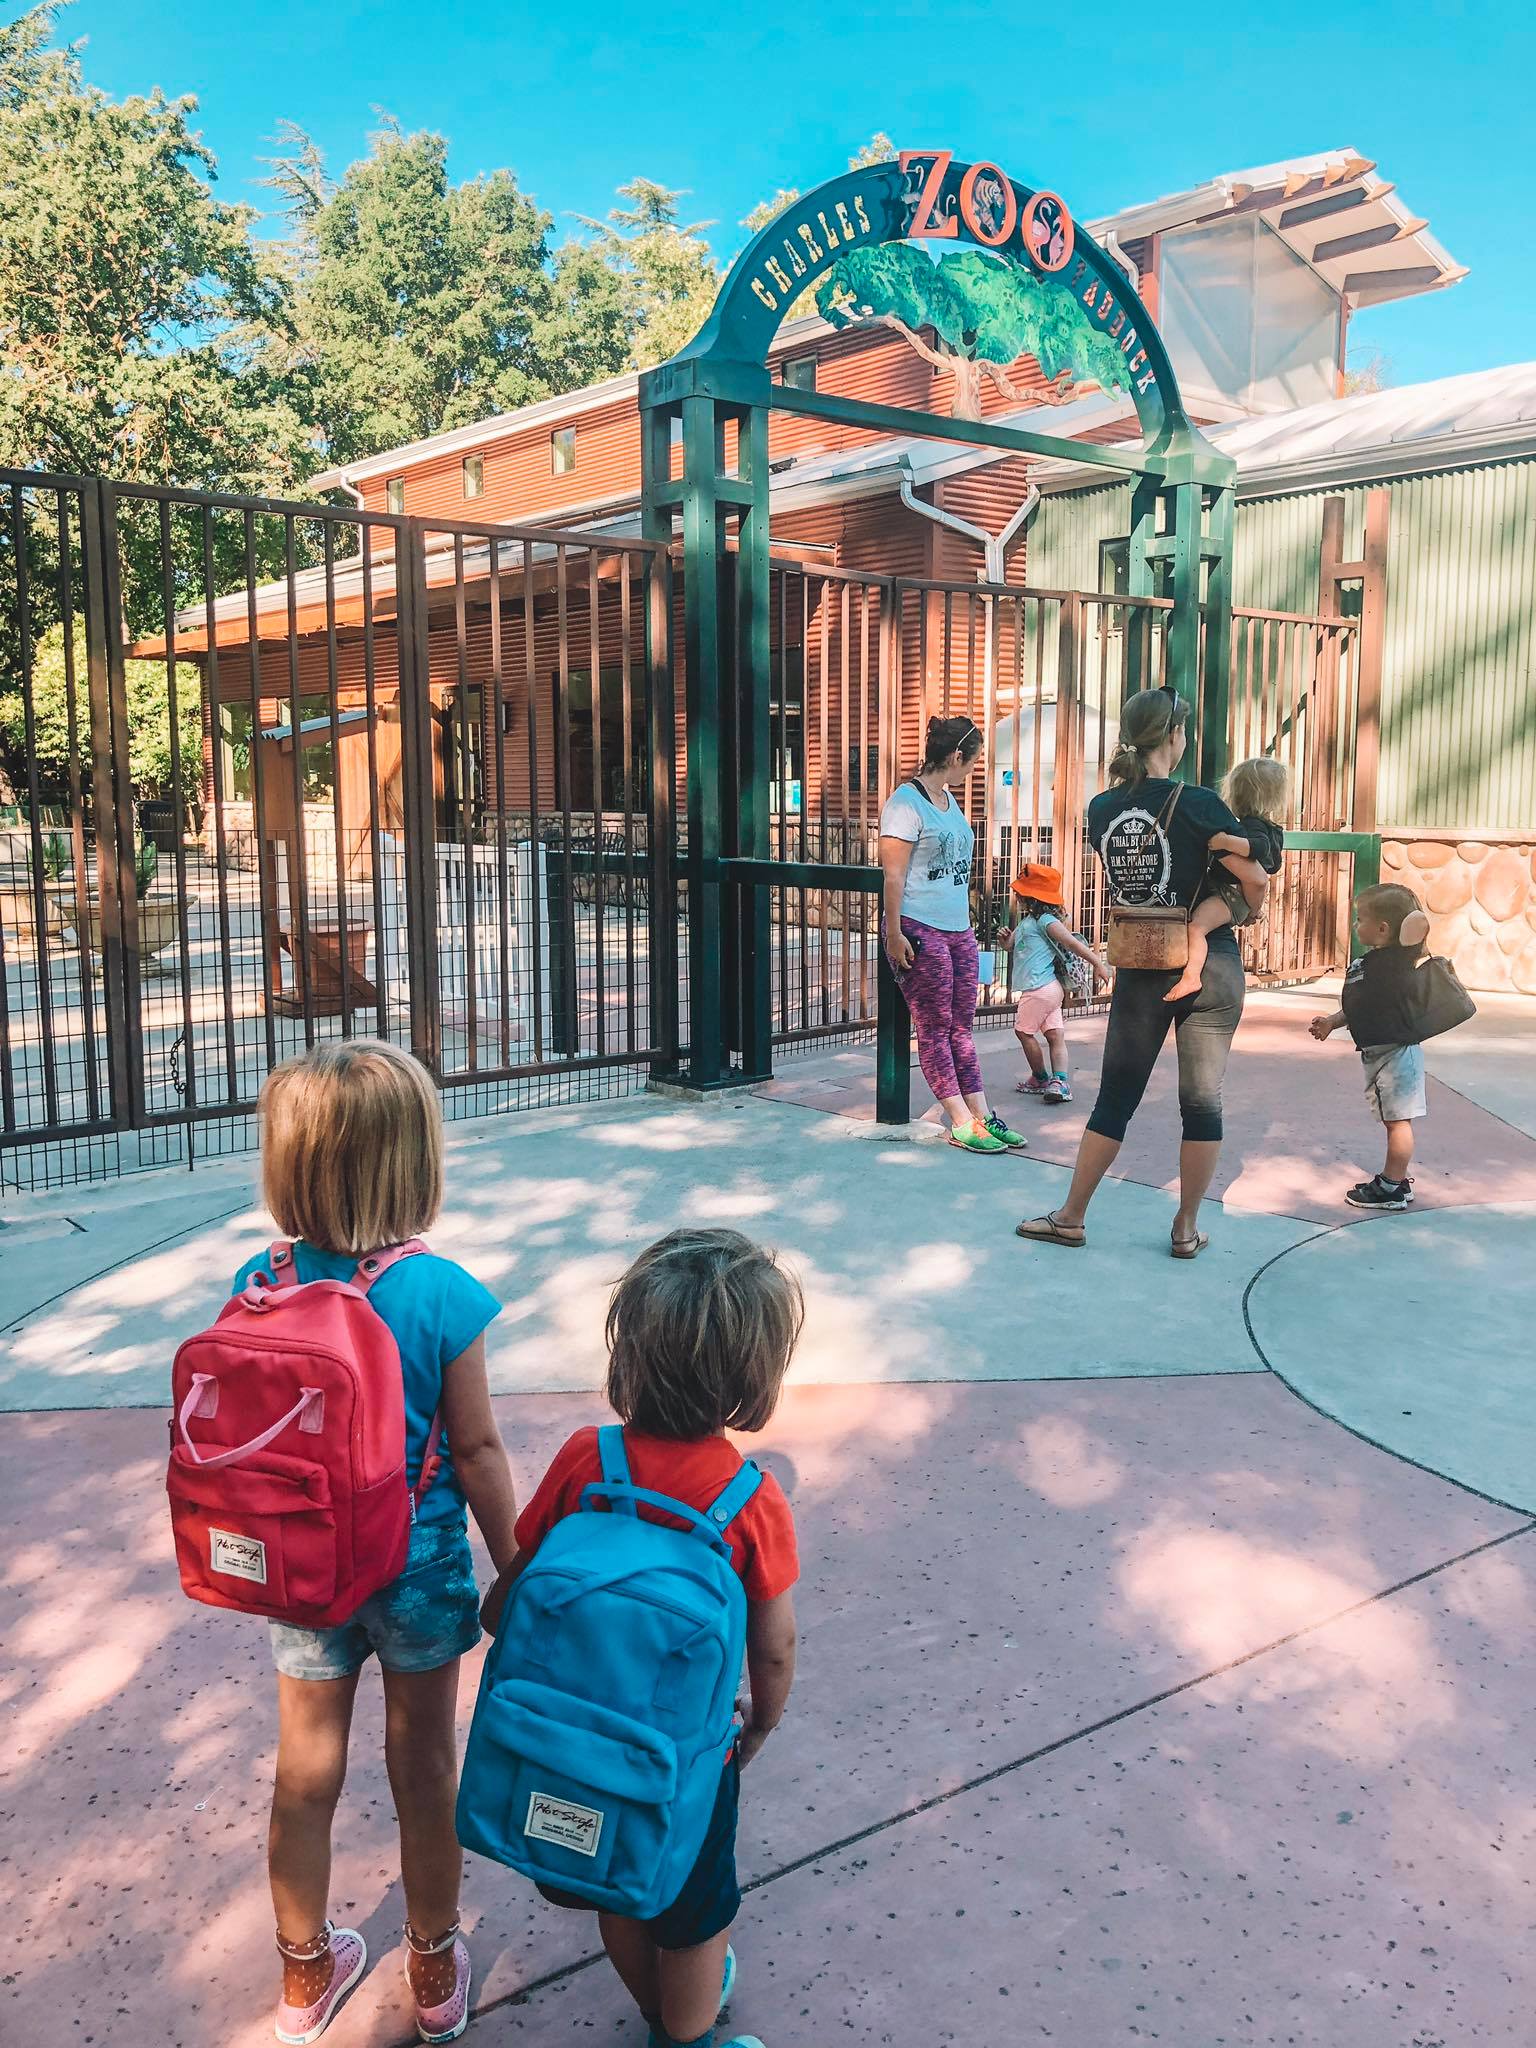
(394, 494)
(800, 373)
(1244, 317)
(562, 451)
(474, 476)
(235, 740)
(597, 748)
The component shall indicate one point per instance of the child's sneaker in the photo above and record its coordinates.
(1014, 1140)
(1035, 1085)
(728, 1982)
(742, 2041)
(972, 1139)
(1379, 1193)
(1057, 1089)
(299, 2024)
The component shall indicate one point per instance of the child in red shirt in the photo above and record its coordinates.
(700, 1334)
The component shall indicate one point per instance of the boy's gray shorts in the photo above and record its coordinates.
(1394, 1081)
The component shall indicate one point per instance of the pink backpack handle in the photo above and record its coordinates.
(308, 1397)
(371, 1268)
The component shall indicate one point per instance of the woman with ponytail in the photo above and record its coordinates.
(1153, 835)
(926, 844)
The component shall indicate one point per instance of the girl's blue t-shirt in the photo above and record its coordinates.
(1034, 957)
(435, 1311)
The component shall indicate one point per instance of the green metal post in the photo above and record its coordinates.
(754, 688)
(703, 547)
(1140, 581)
(1216, 651)
(661, 729)
(1184, 620)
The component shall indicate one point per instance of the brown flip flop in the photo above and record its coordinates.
(1188, 1247)
(1046, 1230)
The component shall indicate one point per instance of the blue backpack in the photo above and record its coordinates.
(607, 1703)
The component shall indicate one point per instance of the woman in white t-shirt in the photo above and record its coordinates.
(926, 844)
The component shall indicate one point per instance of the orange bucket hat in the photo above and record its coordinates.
(1039, 881)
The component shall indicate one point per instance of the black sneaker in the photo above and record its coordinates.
(1377, 1193)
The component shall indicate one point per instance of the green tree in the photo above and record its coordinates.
(149, 723)
(983, 311)
(129, 295)
(420, 305)
(666, 272)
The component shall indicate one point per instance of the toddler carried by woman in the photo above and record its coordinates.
(1242, 862)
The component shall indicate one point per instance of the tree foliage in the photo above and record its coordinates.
(666, 272)
(878, 150)
(982, 311)
(419, 305)
(149, 722)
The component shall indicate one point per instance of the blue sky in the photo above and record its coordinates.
(732, 104)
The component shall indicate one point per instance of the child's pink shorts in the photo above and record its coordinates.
(1040, 1009)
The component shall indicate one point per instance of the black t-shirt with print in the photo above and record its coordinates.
(1147, 861)
(1383, 996)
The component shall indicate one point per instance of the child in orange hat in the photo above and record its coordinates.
(1042, 940)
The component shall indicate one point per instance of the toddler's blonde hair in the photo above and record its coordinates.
(1260, 788)
(351, 1146)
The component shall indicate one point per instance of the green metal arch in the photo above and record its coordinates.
(876, 204)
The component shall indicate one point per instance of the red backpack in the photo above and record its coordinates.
(291, 1500)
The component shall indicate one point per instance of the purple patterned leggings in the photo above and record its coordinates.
(941, 990)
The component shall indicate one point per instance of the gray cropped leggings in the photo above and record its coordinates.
(1203, 1026)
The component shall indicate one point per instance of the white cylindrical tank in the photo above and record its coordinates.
(1012, 766)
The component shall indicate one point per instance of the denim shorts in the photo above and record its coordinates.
(1394, 1081)
(426, 1617)
(711, 1897)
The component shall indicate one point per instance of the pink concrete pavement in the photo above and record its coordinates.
(1298, 1129)
(1329, 1843)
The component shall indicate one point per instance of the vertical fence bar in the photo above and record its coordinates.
(466, 833)
(266, 867)
(34, 820)
(179, 855)
(298, 848)
(383, 965)
(83, 951)
(631, 872)
(333, 705)
(661, 734)
(413, 629)
(568, 1038)
(600, 975)
(124, 881)
(212, 699)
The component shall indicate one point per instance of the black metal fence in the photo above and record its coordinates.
(280, 772)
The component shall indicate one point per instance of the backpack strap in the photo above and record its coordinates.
(284, 1266)
(615, 1463)
(726, 1506)
(377, 1264)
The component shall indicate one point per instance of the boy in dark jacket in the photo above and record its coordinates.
(1381, 1003)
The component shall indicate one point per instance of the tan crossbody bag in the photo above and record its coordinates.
(1151, 935)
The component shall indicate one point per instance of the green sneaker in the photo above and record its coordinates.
(1011, 1141)
(975, 1139)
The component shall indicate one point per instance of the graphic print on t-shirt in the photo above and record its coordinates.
(945, 862)
(1137, 857)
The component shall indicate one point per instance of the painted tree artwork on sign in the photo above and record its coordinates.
(982, 312)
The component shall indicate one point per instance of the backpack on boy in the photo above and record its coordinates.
(287, 1473)
(607, 1703)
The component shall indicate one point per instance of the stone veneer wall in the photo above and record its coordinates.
(1481, 899)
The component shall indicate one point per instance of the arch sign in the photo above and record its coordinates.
(992, 268)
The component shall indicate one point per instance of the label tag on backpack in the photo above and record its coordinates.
(238, 1557)
(567, 1826)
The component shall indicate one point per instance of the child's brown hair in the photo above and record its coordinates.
(1260, 788)
(351, 1146)
(700, 1334)
(1389, 903)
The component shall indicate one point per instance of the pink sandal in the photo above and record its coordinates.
(447, 2021)
(298, 2024)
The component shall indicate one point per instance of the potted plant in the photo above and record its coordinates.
(159, 916)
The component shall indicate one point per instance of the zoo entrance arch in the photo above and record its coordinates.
(1181, 512)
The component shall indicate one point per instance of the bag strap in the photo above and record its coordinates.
(624, 1500)
(306, 1411)
(614, 1460)
(1165, 815)
(728, 1504)
(377, 1264)
(285, 1267)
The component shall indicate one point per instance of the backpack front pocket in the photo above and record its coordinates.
(574, 1795)
(259, 1536)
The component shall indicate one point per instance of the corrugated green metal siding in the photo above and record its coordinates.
(1063, 549)
(1459, 688)
(1459, 670)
